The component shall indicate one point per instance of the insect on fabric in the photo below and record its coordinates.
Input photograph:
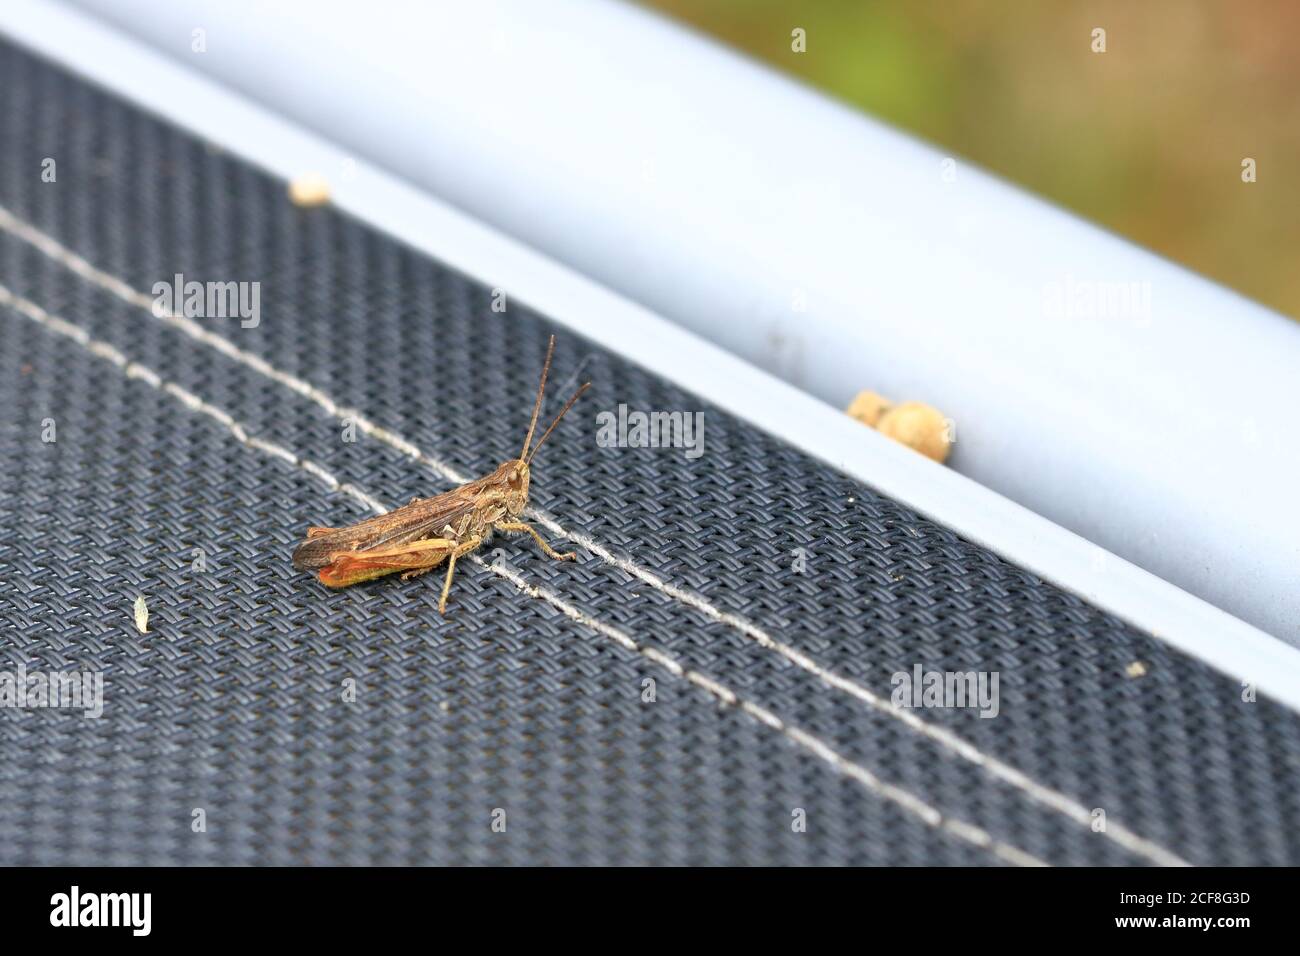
(419, 536)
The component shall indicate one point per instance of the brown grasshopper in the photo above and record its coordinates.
(419, 536)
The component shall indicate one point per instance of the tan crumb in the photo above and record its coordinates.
(918, 426)
(867, 407)
(915, 424)
(141, 615)
(1136, 669)
(309, 189)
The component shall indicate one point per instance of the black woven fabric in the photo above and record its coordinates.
(233, 701)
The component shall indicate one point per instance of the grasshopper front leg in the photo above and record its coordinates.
(524, 526)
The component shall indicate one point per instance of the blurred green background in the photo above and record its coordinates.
(1146, 139)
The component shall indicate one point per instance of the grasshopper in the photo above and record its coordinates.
(419, 536)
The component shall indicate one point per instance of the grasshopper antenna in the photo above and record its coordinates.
(537, 406)
(567, 405)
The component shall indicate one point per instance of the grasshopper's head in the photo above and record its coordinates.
(516, 472)
(514, 476)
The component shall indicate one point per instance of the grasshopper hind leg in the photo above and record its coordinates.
(465, 548)
(446, 585)
(353, 567)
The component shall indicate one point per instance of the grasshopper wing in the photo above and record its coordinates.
(421, 519)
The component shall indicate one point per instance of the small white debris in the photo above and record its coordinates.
(1136, 669)
(141, 615)
(310, 189)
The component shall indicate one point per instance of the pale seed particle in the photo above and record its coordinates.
(141, 615)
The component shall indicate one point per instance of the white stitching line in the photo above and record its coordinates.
(904, 799)
(1039, 793)
(135, 370)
